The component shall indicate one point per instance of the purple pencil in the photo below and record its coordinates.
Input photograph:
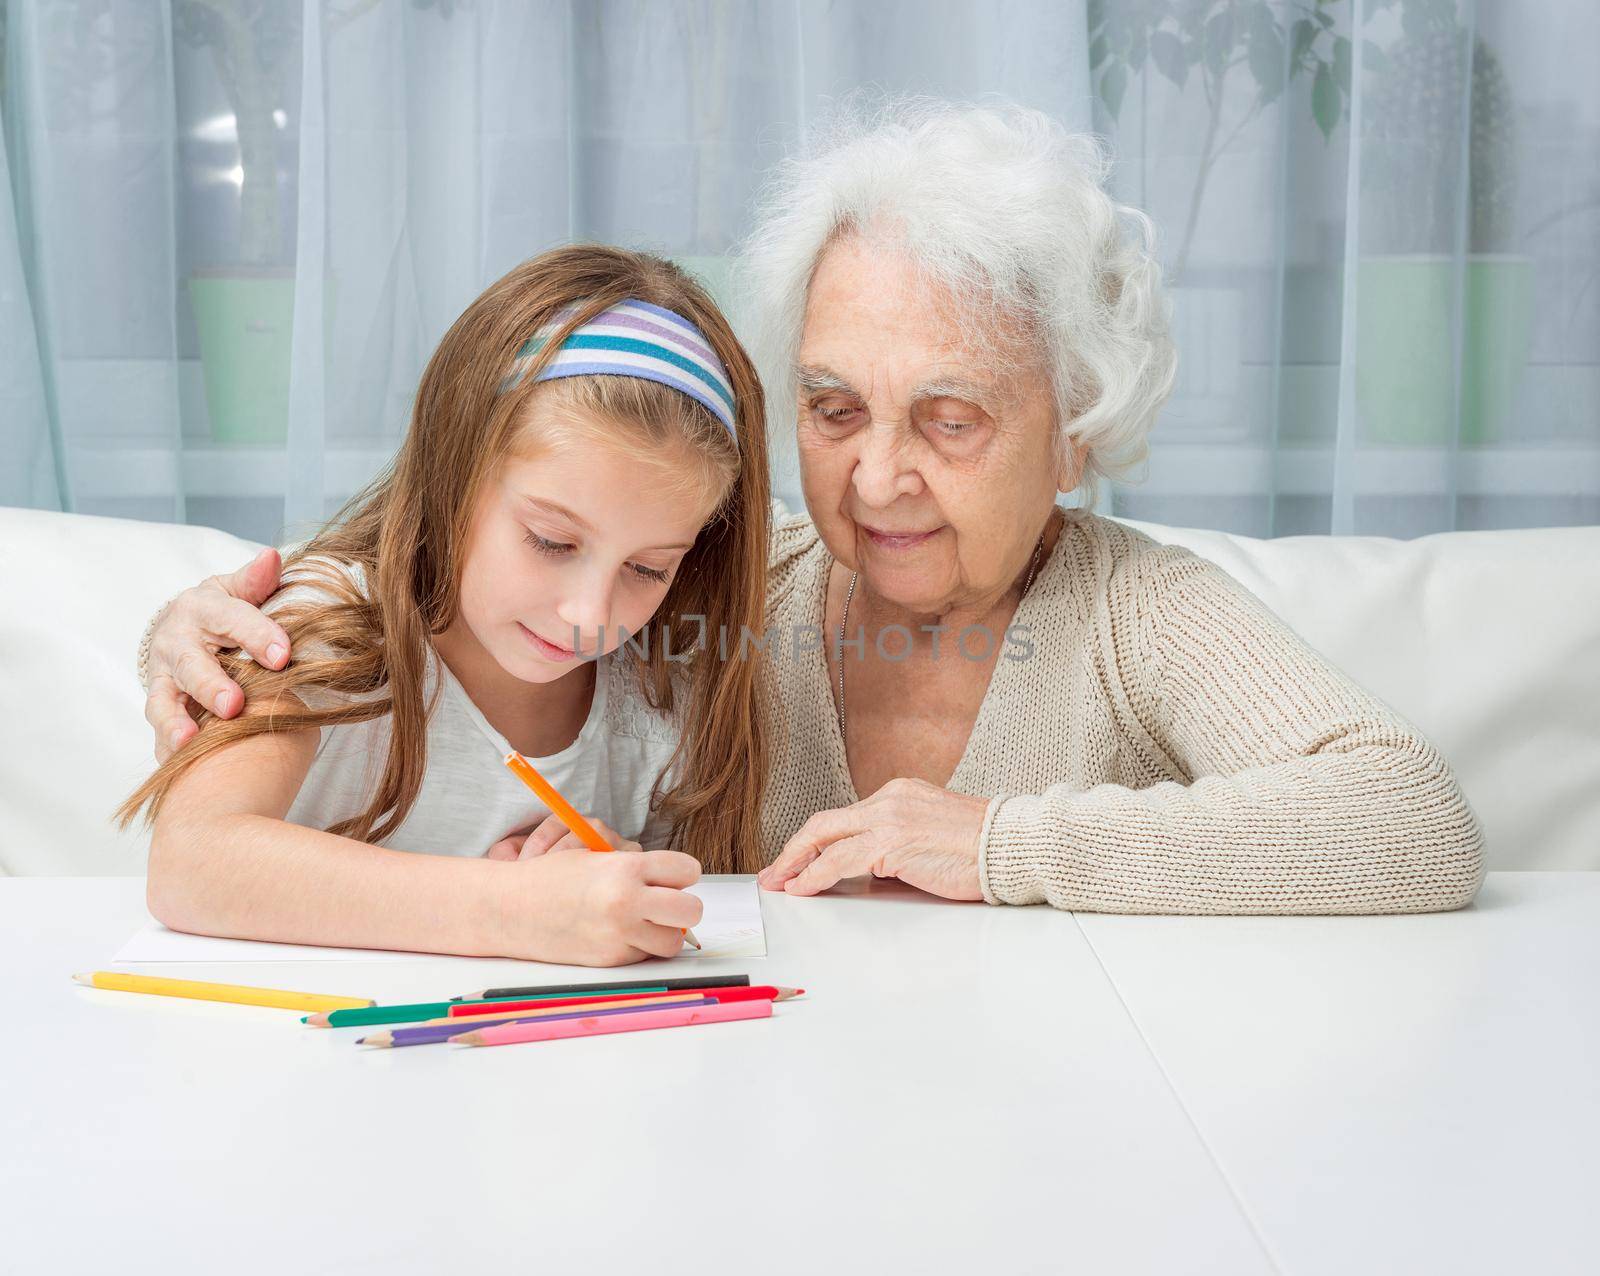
(435, 1033)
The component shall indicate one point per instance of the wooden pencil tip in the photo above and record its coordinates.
(383, 1040)
(784, 994)
(318, 1020)
(688, 938)
(467, 1039)
(471, 996)
(84, 979)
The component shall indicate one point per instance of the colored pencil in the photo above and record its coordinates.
(474, 1009)
(560, 1006)
(239, 994)
(568, 814)
(517, 1009)
(562, 809)
(626, 985)
(554, 1029)
(366, 1017)
(439, 1033)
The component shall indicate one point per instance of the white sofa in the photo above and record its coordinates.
(1488, 641)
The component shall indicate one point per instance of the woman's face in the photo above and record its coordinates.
(924, 467)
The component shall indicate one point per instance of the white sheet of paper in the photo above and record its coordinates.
(731, 927)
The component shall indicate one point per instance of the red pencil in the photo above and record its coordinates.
(761, 992)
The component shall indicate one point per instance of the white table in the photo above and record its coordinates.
(960, 1088)
(963, 1089)
(1394, 1094)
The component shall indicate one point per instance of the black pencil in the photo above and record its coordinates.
(641, 981)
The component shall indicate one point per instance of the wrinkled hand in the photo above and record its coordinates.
(552, 835)
(924, 835)
(218, 614)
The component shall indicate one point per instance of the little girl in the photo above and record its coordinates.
(581, 498)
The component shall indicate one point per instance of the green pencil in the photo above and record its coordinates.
(367, 1016)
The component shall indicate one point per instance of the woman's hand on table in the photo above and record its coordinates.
(924, 835)
(216, 615)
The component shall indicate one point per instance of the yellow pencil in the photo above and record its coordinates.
(240, 994)
(568, 814)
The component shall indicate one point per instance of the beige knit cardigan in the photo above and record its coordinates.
(1170, 746)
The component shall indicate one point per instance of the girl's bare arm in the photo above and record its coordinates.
(223, 861)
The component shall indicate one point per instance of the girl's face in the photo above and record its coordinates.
(569, 549)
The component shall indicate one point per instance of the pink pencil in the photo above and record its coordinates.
(672, 1017)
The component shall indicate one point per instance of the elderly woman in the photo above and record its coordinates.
(1016, 702)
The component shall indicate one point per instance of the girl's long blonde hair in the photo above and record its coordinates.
(408, 532)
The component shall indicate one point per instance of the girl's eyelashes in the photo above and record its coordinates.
(655, 575)
(545, 546)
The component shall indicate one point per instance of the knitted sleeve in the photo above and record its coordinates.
(1298, 791)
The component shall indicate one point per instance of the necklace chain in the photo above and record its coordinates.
(844, 616)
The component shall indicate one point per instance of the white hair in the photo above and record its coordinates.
(1007, 209)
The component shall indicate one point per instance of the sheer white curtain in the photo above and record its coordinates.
(1383, 245)
(237, 227)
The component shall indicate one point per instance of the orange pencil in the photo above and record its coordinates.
(568, 814)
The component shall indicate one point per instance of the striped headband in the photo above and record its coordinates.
(634, 339)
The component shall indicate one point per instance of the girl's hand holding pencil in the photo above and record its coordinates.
(597, 910)
(575, 820)
(601, 910)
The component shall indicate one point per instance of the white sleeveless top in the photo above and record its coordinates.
(469, 799)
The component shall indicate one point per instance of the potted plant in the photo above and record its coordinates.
(1218, 43)
(1416, 297)
(244, 311)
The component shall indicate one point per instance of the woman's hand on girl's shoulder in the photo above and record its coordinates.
(218, 614)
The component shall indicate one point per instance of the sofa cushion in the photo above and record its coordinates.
(73, 740)
(1487, 641)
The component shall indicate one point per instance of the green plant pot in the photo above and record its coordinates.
(245, 321)
(1404, 331)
